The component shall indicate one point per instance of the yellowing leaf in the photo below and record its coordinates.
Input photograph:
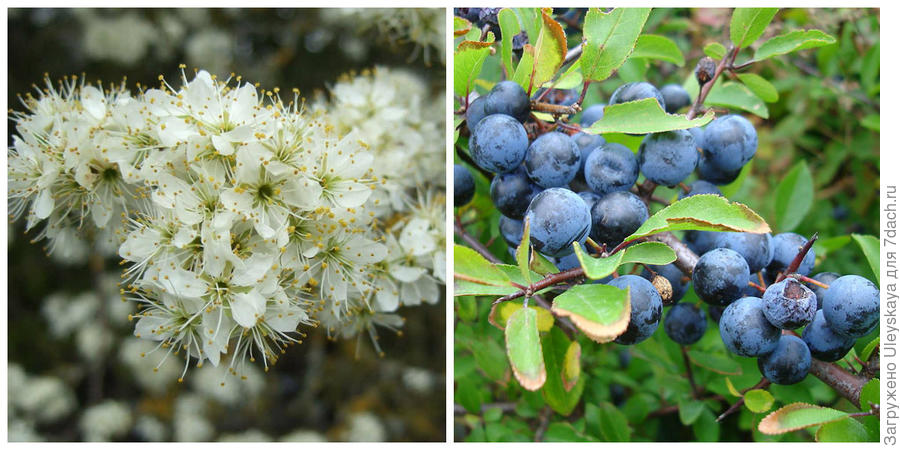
(571, 366)
(501, 312)
(602, 312)
(797, 416)
(523, 347)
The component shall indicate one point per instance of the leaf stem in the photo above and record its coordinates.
(792, 268)
(690, 373)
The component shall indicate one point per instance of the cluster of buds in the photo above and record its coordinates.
(238, 216)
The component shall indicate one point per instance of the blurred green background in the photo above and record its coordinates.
(322, 389)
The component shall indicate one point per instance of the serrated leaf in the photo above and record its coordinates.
(467, 62)
(461, 26)
(758, 400)
(571, 370)
(602, 312)
(792, 42)
(509, 27)
(715, 362)
(609, 39)
(523, 347)
(657, 47)
(760, 86)
(597, 268)
(869, 348)
(731, 389)
(845, 430)
(655, 253)
(549, 51)
(715, 50)
(705, 212)
(607, 422)
(501, 312)
(793, 197)
(748, 24)
(641, 117)
(531, 21)
(556, 345)
(522, 252)
(474, 275)
(870, 393)
(689, 410)
(871, 249)
(797, 416)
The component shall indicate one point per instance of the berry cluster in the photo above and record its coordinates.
(574, 186)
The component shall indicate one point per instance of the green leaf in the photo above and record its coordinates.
(731, 389)
(602, 312)
(705, 212)
(872, 122)
(870, 393)
(655, 253)
(715, 362)
(793, 197)
(715, 50)
(607, 422)
(474, 275)
(689, 410)
(706, 429)
(522, 253)
(493, 414)
(556, 347)
(791, 42)
(609, 39)
(846, 430)
(571, 370)
(509, 27)
(748, 24)
(525, 67)
(467, 62)
(760, 86)
(658, 47)
(531, 21)
(730, 94)
(633, 70)
(641, 117)
(568, 80)
(490, 358)
(797, 416)
(732, 188)
(597, 268)
(501, 313)
(523, 347)
(541, 265)
(758, 400)
(468, 394)
(549, 51)
(564, 432)
(869, 348)
(466, 308)
(461, 26)
(870, 247)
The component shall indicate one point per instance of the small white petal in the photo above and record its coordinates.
(247, 308)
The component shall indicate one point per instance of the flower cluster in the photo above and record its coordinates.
(240, 216)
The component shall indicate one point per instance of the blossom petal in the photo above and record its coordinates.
(247, 308)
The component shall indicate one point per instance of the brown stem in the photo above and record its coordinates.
(727, 61)
(554, 109)
(758, 287)
(792, 268)
(474, 243)
(690, 373)
(809, 280)
(763, 383)
(542, 427)
(685, 259)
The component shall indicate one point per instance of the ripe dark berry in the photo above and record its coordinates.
(463, 186)
(498, 144)
(609, 168)
(675, 97)
(729, 142)
(512, 192)
(646, 309)
(824, 278)
(592, 114)
(685, 323)
(789, 304)
(789, 363)
(507, 97)
(552, 160)
(475, 112)
(511, 230)
(744, 329)
(720, 276)
(668, 158)
(700, 187)
(557, 217)
(851, 306)
(785, 247)
(756, 248)
(616, 216)
(630, 92)
(823, 342)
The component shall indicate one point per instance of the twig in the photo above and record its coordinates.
(505, 407)
(542, 427)
(763, 383)
(704, 91)
(690, 373)
(474, 243)
(792, 268)
(555, 109)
